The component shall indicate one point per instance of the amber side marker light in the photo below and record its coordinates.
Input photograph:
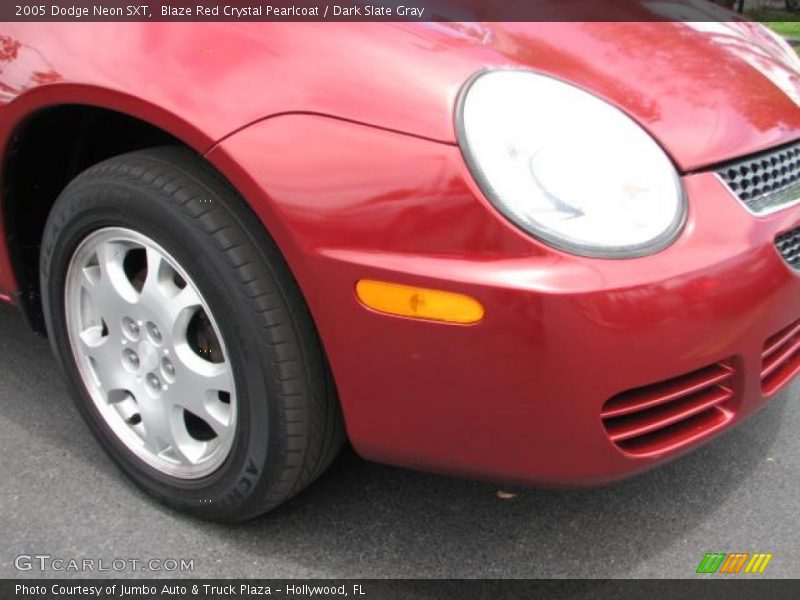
(419, 303)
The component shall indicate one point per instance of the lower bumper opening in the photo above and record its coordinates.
(664, 416)
(780, 360)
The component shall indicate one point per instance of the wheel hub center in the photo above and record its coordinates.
(148, 355)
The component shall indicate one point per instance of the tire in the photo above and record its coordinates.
(242, 356)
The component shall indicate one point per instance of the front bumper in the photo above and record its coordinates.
(520, 395)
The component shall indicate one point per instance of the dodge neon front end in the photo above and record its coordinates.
(580, 369)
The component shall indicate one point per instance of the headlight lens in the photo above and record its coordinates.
(567, 167)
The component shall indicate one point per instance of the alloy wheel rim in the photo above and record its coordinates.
(150, 353)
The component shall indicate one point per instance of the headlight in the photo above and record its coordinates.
(567, 167)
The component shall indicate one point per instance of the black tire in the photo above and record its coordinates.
(289, 426)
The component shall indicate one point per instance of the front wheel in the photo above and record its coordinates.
(188, 347)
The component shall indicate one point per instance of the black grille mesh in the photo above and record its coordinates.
(767, 181)
(788, 245)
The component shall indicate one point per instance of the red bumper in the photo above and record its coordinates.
(519, 396)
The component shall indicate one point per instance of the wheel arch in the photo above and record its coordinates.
(50, 134)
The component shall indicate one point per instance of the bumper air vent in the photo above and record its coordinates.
(788, 245)
(664, 416)
(780, 360)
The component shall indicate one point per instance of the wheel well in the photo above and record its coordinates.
(45, 152)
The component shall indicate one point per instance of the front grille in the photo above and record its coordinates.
(788, 244)
(780, 360)
(765, 182)
(664, 416)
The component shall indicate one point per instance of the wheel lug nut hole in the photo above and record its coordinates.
(131, 359)
(153, 333)
(153, 382)
(130, 328)
(167, 369)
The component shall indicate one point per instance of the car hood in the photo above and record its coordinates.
(707, 91)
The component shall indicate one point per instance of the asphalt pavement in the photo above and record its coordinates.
(60, 495)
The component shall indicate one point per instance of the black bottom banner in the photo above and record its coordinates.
(369, 589)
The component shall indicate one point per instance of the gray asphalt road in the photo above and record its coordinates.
(61, 496)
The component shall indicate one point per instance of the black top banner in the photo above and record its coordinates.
(368, 10)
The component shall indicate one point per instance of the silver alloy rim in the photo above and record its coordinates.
(150, 353)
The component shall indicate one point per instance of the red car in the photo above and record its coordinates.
(550, 254)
